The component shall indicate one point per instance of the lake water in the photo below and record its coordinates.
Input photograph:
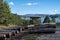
(57, 19)
(42, 19)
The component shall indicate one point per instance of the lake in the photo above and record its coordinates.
(42, 19)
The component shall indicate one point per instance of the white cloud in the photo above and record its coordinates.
(52, 11)
(55, 10)
(11, 3)
(31, 4)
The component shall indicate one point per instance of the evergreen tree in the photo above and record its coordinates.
(6, 17)
(46, 20)
(1, 12)
(53, 18)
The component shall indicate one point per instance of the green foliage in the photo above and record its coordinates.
(25, 22)
(31, 22)
(35, 21)
(6, 17)
(47, 20)
(53, 18)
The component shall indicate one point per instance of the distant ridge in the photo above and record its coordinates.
(39, 15)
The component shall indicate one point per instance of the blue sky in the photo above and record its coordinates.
(22, 7)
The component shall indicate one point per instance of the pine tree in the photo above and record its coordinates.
(4, 12)
(1, 11)
(6, 17)
(53, 18)
(46, 20)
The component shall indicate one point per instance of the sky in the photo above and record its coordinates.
(22, 7)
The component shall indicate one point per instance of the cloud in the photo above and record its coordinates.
(55, 10)
(31, 4)
(11, 3)
(52, 11)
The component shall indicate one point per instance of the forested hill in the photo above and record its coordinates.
(6, 17)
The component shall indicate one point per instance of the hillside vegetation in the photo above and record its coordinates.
(6, 17)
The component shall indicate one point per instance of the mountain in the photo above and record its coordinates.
(34, 15)
(39, 15)
(57, 14)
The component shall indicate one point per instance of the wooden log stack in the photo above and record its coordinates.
(9, 32)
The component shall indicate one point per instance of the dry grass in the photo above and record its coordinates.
(3, 27)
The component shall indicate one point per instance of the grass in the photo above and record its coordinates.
(3, 26)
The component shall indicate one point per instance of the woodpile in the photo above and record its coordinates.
(9, 32)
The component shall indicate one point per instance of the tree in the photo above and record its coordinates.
(53, 17)
(46, 20)
(6, 17)
(5, 13)
(1, 11)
